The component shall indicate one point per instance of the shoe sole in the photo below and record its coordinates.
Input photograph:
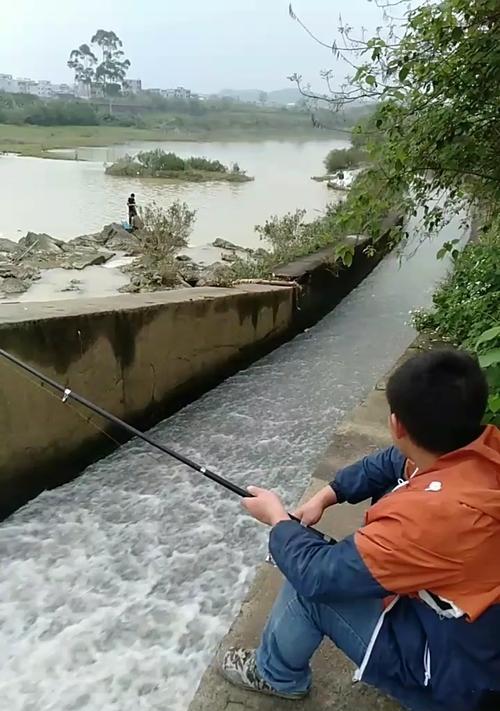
(264, 692)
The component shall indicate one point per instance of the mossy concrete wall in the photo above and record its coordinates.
(137, 356)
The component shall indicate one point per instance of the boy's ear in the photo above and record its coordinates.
(397, 428)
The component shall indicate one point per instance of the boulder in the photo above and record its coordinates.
(41, 243)
(215, 274)
(7, 246)
(124, 243)
(82, 259)
(229, 246)
(12, 285)
(189, 272)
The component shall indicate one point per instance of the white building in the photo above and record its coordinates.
(133, 86)
(8, 83)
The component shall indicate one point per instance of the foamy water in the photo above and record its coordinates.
(116, 588)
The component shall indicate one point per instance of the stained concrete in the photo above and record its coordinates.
(134, 355)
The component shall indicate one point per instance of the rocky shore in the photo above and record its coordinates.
(26, 262)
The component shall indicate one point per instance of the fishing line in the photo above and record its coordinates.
(68, 395)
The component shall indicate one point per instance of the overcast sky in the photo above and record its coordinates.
(205, 45)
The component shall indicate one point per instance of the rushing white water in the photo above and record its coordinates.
(116, 588)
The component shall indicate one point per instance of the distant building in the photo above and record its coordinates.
(179, 93)
(42, 88)
(26, 86)
(8, 83)
(59, 90)
(133, 86)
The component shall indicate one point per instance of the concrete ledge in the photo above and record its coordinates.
(139, 357)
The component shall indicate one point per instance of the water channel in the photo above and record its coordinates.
(116, 588)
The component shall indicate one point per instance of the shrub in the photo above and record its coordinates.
(344, 158)
(467, 309)
(211, 166)
(158, 160)
(163, 235)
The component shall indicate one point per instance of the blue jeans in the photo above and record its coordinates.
(296, 628)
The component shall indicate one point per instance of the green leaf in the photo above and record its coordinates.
(494, 403)
(370, 79)
(403, 72)
(488, 335)
(490, 358)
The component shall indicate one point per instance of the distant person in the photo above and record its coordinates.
(132, 209)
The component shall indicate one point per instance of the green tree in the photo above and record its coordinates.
(83, 62)
(437, 89)
(112, 69)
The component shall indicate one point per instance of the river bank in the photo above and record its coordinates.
(41, 268)
(39, 141)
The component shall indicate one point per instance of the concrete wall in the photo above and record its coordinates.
(137, 356)
(140, 357)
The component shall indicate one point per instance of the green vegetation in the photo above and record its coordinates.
(158, 164)
(223, 120)
(434, 138)
(344, 159)
(109, 74)
(290, 237)
(467, 307)
(163, 235)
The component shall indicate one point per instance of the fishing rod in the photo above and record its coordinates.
(68, 394)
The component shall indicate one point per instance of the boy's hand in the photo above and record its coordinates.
(265, 506)
(312, 511)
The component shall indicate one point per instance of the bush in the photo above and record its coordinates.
(211, 166)
(158, 160)
(344, 158)
(62, 113)
(164, 234)
(467, 309)
(468, 302)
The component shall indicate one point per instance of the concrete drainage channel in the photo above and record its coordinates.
(117, 587)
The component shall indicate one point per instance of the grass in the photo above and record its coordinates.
(36, 141)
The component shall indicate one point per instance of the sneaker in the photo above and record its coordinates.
(239, 667)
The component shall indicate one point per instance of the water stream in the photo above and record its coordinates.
(116, 588)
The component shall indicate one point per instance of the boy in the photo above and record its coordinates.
(413, 597)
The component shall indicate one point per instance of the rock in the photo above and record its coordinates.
(183, 258)
(12, 285)
(41, 243)
(8, 246)
(229, 246)
(74, 285)
(190, 272)
(215, 274)
(85, 242)
(125, 243)
(231, 257)
(18, 271)
(82, 259)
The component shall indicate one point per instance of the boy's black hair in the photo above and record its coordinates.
(440, 397)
